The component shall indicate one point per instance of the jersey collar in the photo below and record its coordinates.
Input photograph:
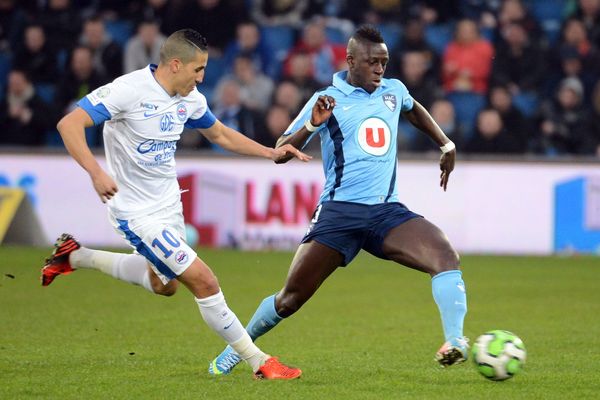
(339, 81)
(152, 69)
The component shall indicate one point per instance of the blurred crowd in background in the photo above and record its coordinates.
(499, 76)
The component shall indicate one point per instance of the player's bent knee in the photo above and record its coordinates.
(446, 260)
(165, 290)
(288, 303)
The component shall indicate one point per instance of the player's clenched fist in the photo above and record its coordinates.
(322, 110)
(104, 185)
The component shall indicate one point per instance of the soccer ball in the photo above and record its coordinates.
(498, 355)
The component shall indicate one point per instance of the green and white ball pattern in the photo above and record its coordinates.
(499, 355)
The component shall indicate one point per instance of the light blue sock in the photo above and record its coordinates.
(264, 319)
(449, 294)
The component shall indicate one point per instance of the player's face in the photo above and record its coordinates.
(191, 74)
(366, 65)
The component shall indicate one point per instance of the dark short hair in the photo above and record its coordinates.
(195, 38)
(368, 33)
(183, 44)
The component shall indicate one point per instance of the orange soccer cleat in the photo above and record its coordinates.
(58, 262)
(273, 369)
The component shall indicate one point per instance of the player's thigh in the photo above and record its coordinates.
(312, 264)
(159, 237)
(421, 245)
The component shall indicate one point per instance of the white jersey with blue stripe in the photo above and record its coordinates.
(359, 141)
(142, 124)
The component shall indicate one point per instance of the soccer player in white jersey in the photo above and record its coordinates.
(144, 113)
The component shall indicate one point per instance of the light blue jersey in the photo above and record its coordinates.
(358, 142)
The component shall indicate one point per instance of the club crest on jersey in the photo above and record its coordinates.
(181, 257)
(390, 101)
(167, 123)
(181, 112)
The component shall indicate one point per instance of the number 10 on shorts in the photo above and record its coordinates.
(170, 239)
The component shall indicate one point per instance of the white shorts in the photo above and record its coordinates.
(160, 237)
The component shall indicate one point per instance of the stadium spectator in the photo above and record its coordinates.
(588, 12)
(571, 64)
(413, 39)
(517, 126)
(256, 87)
(325, 57)
(276, 121)
(12, 24)
(162, 11)
(414, 75)
(248, 42)
(301, 74)
(561, 121)
(62, 24)
(106, 53)
(435, 11)
(591, 126)
(514, 12)
(374, 11)
(278, 12)
(36, 58)
(288, 95)
(467, 61)
(519, 61)
(24, 117)
(442, 112)
(229, 109)
(216, 19)
(575, 36)
(79, 79)
(143, 48)
(575, 43)
(490, 135)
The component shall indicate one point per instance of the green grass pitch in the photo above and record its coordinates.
(369, 333)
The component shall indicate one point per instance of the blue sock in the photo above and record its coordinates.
(264, 319)
(449, 294)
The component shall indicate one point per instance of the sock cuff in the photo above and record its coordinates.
(211, 301)
(448, 273)
(275, 307)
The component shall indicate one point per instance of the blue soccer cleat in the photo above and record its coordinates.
(453, 352)
(225, 362)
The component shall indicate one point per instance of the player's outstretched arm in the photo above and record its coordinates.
(423, 121)
(234, 141)
(72, 130)
(321, 111)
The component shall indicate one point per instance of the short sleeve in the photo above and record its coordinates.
(407, 100)
(201, 116)
(207, 120)
(108, 101)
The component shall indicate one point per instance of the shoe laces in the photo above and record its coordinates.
(462, 342)
(228, 361)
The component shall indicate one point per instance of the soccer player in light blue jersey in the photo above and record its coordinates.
(144, 114)
(356, 119)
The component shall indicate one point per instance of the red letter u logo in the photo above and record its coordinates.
(380, 142)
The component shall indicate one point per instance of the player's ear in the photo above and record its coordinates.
(350, 60)
(175, 65)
